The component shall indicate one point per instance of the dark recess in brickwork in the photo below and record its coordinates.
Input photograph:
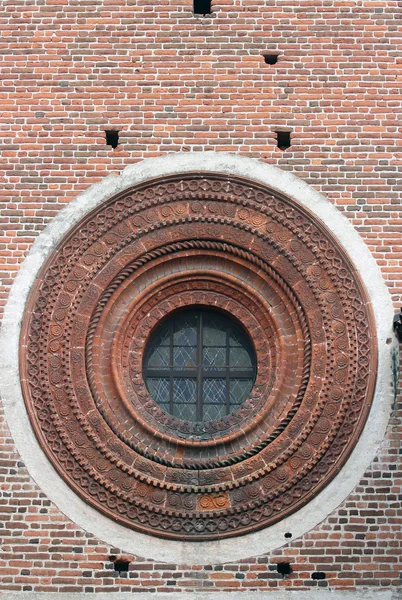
(270, 58)
(202, 7)
(284, 569)
(318, 575)
(283, 139)
(120, 565)
(112, 138)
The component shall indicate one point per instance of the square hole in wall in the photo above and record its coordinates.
(202, 7)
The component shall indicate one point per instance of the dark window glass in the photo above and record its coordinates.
(199, 365)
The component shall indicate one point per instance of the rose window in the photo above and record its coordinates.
(199, 365)
(198, 356)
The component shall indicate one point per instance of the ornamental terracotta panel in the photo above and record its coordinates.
(197, 240)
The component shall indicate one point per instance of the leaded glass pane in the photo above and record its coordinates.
(185, 330)
(163, 338)
(184, 356)
(214, 331)
(213, 412)
(159, 357)
(214, 391)
(239, 390)
(185, 412)
(199, 365)
(159, 388)
(184, 399)
(214, 357)
(184, 390)
(239, 357)
(236, 338)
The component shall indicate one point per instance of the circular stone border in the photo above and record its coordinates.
(209, 551)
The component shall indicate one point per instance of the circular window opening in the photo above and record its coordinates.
(199, 365)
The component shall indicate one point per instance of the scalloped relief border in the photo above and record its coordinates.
(219, 551)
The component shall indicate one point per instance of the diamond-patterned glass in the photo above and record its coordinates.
(160, 357)
(239, 390)
(159, 388)
(239, 357)
(199, 365)
(236, 338)
(184, 399)
(214, 391)
(184, 390)
(213, 412)
(185, 330)
(185, 357)
(214, 357)
(214, 331)
(164, 335)
(185, 412)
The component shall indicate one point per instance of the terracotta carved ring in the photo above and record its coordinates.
(197, 240)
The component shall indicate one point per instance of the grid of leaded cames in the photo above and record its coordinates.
(199, 365)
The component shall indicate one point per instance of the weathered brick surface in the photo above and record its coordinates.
(170, 82)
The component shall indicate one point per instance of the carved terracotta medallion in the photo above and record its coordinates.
(198, 242)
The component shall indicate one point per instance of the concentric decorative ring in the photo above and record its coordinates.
(186, 241)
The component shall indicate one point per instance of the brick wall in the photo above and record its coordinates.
(360, 544)
(169, 81)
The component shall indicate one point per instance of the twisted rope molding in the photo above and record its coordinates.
(245, 255)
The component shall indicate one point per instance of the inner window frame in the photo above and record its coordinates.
(200, 372)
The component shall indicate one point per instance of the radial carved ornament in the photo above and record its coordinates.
(186, 244)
